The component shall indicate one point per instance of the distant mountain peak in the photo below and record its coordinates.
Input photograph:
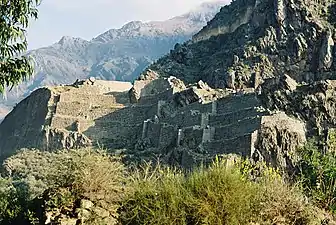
(187, 23)
(132, 25)
(68, 41)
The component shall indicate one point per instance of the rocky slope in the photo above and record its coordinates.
(118, 54)
(253, 40)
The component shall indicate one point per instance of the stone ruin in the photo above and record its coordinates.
(184, 124)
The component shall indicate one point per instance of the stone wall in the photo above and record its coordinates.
(239, 128)
(240, 145)
(229, 118)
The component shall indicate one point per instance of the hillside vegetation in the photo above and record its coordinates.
(90, 186)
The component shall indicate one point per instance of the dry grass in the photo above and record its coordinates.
(220, 194)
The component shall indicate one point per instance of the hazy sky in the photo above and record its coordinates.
(88, 18)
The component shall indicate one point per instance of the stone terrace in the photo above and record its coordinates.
(198, 118)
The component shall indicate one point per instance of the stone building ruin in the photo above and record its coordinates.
(187, 124)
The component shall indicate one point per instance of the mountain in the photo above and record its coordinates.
(118, 54)
(246, 43)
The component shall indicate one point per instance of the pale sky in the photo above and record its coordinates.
(88, 18)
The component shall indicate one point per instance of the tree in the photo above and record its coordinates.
(14, 19)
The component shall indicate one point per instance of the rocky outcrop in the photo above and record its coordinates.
(326, 52)
(278, 139)
(222, 24)
(250, 41)
(81, 211)
(314, 103)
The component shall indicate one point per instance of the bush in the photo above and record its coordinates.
(14, 207)
(62, 179)
(91, 187)
(86, 171)
(220, 194)
(318, 175)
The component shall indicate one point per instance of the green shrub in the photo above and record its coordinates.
(220, 194)
(158, 197)
(85, 170)
(14, 207)
(224, 193)
(61, 179)
(318, 175)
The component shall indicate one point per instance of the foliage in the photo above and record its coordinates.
(332, 14)
(84, 170)
(14, 209)
(61, 179)
(331, 140)
(220, 194)
(15, 16)
(318, 174)
(230, 191)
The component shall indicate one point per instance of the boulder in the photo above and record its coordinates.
(278, 139)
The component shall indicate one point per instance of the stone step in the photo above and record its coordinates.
(121, 97)
(192, 137)
(233, 117)
(88, 111)
(195, 135)
(236, 103)
(95, 128)
(237, 129)
(67, 115)
(239, 145)
(82, 89)
(154, 99)
(197, 107)
(113, 86)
